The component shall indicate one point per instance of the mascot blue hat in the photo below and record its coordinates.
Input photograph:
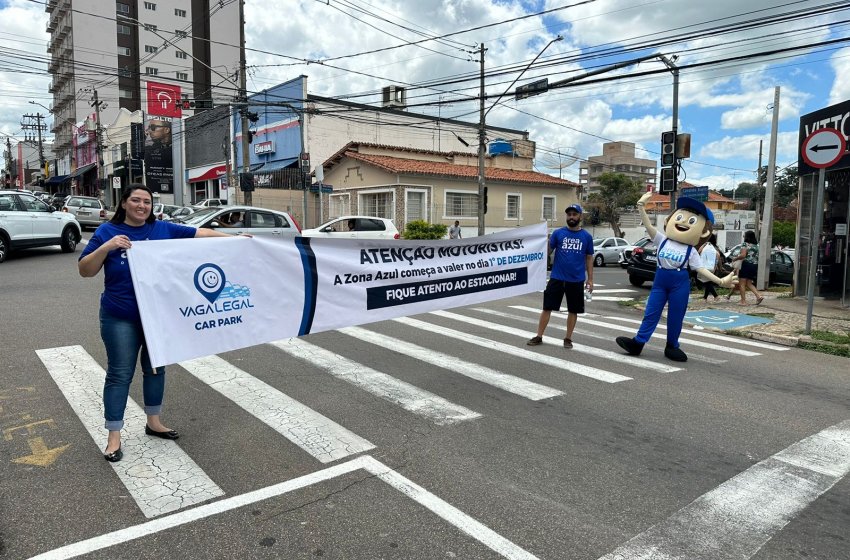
(695, 206)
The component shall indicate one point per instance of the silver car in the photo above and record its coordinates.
(245, 219)
(89, 211)
(607, 249)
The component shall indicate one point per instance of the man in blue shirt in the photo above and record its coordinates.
(572, 272)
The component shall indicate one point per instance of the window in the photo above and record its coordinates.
(150, 49)
(122, 8)
(125, 93)
(182, 76)
(461, 205)
(415, 208)
(548, 208)
(339, 205)
(124, 51)
(123, 29)
(180, 54)
(512, 209)
(150, 27)
(379, 204)
(150, 6)
(179, 13)
(179, 33)
(151, 71)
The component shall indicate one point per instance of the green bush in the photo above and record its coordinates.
(784, 233)
(420, 229)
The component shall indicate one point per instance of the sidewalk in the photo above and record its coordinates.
(788, 315)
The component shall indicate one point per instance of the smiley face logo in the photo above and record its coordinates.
(209, 281)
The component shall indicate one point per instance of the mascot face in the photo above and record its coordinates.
(686, 227)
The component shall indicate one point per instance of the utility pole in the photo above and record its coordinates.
(482, 145)
(37, 126)
(758, 187)
(766, 238)
(675, 71)
(243, 111)
(8, 161)
(98, 142)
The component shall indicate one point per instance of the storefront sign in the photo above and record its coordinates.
(835, 116)
(266, 147)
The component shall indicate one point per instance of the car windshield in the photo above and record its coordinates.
(598, 242)
(200, 216)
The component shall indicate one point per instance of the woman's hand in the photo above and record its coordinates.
(118, 242)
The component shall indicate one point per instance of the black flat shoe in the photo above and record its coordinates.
(115, 456)
(170, 434)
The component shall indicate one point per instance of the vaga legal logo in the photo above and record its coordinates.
(223, 297)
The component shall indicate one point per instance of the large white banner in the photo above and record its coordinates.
(205, 296)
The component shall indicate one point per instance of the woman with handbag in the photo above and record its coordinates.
(748, 263)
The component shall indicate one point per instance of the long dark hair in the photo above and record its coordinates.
(750, 237)
(121, 214)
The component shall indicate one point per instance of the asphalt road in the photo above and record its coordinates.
(741, 453)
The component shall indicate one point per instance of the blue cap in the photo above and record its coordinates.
(695, 206)
(576, 207)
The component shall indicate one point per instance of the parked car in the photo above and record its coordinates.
(245, 219)
(89, 211)
(781, 265)
(181, 213)
(355, 227)
(164, 211)
(27, 222)
(209, 202)
(626, 256)
(607, 249)
(58, 200)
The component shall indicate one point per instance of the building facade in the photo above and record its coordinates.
(617, 157)
(163, 42)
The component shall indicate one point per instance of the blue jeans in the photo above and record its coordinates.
(123, 340)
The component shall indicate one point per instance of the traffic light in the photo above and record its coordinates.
(485, 200)
(250, 136)
(668, 180)
(594, 217)
(668, 149)
(253, 117)
(246, 182)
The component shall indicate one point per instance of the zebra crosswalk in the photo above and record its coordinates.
(162, 478)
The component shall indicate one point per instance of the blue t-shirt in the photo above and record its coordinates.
(571, 249)
(119, 297)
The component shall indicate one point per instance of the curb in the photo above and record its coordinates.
(782, 339)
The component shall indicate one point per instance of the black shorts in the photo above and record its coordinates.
(557, 289)
(748, 271)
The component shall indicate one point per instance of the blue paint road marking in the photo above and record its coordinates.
(723, 319)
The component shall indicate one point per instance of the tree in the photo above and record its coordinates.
(616, 192)
(784, 233)
(785, 187)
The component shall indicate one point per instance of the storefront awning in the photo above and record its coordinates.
(56, 180)
(80, 170)
(207, 173)
(276, 165)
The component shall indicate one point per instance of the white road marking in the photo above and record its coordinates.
(443, 509)
(411, 398)
(504, 381)
(733, 521)
(580, 369)
(584, 333)
(158, 474)
(608, 298)
(715, 336)
(701, 344)
(316, 434)
(591, 350)
(612, 291)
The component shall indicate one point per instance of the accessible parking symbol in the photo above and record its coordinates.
(723, 319)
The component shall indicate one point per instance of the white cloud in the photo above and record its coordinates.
(730, 147)
(841, 85)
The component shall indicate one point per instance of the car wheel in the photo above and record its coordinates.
(4, 247)
(635, 281)
(69, 240)
(599, 261)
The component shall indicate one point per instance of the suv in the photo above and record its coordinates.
(88, 210)
(27, 222)
(355, 227)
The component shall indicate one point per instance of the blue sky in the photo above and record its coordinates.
(724, 106)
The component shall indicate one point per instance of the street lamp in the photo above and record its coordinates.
(482, 147)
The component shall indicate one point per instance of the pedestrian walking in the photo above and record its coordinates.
(454, 231)
(120, 323)
(749, 257)
(710, 256)
(572, 273)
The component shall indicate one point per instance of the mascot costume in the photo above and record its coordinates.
(684, 230)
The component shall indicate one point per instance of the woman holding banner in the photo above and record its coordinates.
(120, 324)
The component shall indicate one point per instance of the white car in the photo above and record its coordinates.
(245, 219)
(210, 202)
(607, 249)
(355, 227)
(27, 222)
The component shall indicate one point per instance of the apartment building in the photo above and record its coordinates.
(617, 157)
(155, 56)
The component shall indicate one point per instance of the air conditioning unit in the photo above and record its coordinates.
(394, 96)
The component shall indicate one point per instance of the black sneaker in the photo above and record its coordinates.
(536, 341)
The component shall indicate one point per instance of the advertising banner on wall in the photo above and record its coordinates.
(159, 167)
(199, 297)
(164, 100)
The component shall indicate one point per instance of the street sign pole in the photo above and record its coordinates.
(814, 242)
